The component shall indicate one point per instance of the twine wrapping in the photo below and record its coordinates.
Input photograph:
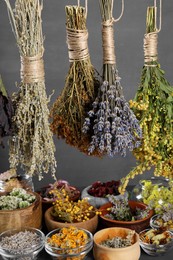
(77, 41)
(108, 43)
(32, 69)
(150, 48)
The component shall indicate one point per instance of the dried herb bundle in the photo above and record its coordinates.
(115, 126)
(32, 144)
(69, 110)
(153, 106)
(6, 113)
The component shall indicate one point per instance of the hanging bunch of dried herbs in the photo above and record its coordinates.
(32, 144)
(69, 110)
(114, 125)
(6, 113)
(153, 106)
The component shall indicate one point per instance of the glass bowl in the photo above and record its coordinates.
(157, 221)
(21, 244)
(76, 253)
(155, 249)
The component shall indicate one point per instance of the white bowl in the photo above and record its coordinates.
(99, 201)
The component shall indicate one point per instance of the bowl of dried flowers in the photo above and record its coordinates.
(164, 220)
(69, 243)
(65, 213)
(21, 208)
(125, 213)
(156, 242)
(48, 193)
(116, 243)
(98, 191)
(22, 243)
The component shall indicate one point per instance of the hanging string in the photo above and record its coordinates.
(122, 10)
(151, 41)
(86, 6)
(109, 56)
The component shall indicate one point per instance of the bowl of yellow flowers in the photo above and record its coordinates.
(68, 243)
(65, 213)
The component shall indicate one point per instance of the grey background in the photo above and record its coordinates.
(77, 168)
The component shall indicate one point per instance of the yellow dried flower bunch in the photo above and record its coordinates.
(65, 210)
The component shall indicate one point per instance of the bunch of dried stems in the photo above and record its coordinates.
(31, 145)
(69, 110)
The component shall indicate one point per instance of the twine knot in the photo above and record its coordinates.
(150, 48)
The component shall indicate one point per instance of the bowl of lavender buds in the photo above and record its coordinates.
(116, 243)
(21, 244)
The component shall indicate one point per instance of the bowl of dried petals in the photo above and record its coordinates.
(98, 191)
(156, 242)
(116, 243)
(48, 193)
(24, 243)
(65, 213)
(125, 213)
(68, 243)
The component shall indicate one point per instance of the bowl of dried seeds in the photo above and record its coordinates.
(24, 243)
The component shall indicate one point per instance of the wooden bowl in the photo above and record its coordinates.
(137, 225)
(51, 224)
(19, 218)
(101, 252)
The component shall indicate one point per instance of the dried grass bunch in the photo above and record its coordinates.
(32, 144)
(69, 110)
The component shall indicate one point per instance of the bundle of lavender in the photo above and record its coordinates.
(69, 110)
(153, 106)
(114, 125)
(6, 113)
(31, 145)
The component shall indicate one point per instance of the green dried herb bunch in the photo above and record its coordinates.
(69, 110)
(32, 145)
(6, 113)
(153, 106)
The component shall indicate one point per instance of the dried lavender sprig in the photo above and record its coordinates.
(115, 127)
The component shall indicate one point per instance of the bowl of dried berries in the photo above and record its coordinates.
(69, 243)
(98, 191)
(116, 243)
(24, 243)
(125, 213)
(156, 242)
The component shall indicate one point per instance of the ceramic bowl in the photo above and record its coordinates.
(51, 224)
(137, 225)
(101, 252)
(21, 250)
(99, 201)
(153, 249)
(76, 253)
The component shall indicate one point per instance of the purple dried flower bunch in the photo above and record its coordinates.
(113, 125)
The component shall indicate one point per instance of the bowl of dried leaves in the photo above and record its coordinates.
(125, 213)
(116, 243)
